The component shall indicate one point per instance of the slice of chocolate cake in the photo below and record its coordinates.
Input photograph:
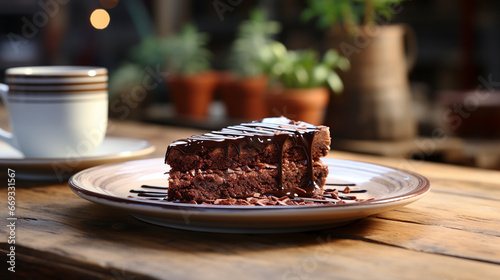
(274, 156)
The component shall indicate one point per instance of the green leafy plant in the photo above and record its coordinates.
(347, 13)
(186, 53)
(253, 35)
(304, 69)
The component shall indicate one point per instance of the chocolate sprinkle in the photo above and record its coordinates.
(329, 197)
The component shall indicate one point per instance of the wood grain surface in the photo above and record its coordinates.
(452, 233)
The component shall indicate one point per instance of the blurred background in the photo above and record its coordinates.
(452, 84)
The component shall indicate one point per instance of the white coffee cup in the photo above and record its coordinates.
(55, 111)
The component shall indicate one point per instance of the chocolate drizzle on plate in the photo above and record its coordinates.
(259, 135)
(329, 197)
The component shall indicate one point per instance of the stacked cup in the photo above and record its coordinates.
(56, 111)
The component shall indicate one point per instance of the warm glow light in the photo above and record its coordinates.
(28, 71)
(92, 73)
(99, 19)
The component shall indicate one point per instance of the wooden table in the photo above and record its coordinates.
(483, 153)
(452, 233)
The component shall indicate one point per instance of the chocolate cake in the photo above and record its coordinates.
(275, 156)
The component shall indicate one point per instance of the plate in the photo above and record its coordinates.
(111, 184)
(112, 150)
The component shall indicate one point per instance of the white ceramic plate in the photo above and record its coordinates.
(111, 184)
(112, 150)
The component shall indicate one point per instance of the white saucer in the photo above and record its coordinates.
(111, 184)
(112, 150)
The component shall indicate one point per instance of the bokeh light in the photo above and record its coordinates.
(99, 19)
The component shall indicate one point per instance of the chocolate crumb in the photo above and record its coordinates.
(328, 197)
(300, 190)
(364, 199)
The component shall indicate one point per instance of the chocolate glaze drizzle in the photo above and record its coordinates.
(258, 135)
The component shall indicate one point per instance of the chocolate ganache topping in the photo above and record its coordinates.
(258, 135)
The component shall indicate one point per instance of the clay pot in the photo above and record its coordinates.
(376, 102)
(244, 97)
(300, 104)
(192, 95)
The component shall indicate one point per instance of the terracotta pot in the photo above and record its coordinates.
(376, 102)
(192, 95)
(300, 104)
(244, 97)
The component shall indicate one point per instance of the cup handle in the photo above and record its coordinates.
(6, 136)
(4, 90)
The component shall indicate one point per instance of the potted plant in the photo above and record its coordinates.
(243, 87)
(377, 100)
(300, 82)
(189, 78)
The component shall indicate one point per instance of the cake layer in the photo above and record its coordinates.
(206, 185)
(250, 145)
